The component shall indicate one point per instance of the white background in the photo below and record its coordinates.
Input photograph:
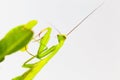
(91, 52)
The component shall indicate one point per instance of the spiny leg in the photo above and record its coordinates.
(43, 42)
(44, 39)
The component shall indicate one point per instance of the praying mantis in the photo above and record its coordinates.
(16, 39)
(43, 54)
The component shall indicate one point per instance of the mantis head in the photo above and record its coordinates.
(61, 37)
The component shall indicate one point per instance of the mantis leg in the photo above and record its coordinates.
(46, 52)
(28, 51)
(43, 42)
(28, 65)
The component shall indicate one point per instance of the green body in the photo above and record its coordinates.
(16, 39)
(44, 55)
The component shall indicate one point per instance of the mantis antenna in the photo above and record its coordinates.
(84, 19)
(57, 30)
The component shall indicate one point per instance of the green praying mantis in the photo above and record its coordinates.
(16, 39)
(45, 54)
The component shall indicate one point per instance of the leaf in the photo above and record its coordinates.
(16, 39)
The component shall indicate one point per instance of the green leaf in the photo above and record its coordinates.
(16, 39)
